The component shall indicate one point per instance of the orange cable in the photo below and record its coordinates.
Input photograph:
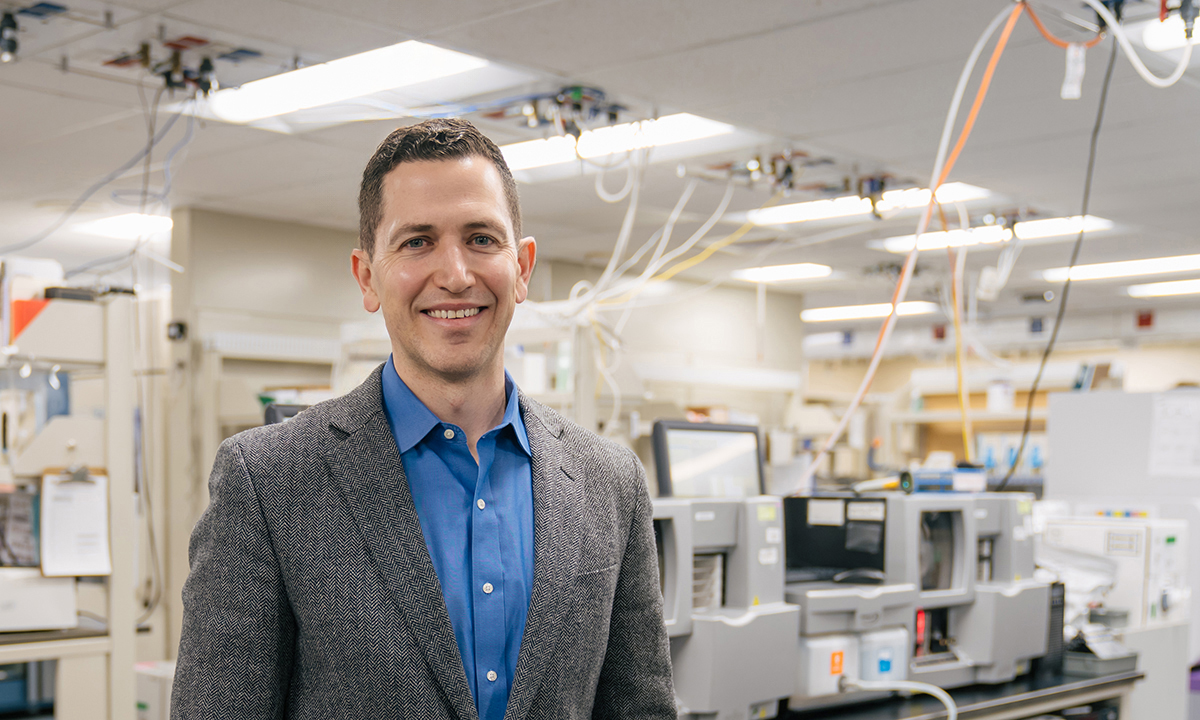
(1057, 40)
(980, 94)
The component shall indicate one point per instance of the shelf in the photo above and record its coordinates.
(52, 644)
(926, 417)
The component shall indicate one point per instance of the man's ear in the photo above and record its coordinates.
(360, 265)
(526, 259)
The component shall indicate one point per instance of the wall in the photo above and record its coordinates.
(251, 277)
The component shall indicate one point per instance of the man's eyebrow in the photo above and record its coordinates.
(411, 229)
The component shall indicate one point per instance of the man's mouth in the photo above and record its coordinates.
(453, 314)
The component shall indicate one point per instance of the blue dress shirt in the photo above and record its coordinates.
(477, 519)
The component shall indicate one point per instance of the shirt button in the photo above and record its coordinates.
(491, 676)
(487, 588)
(480, 503)
(449, 434)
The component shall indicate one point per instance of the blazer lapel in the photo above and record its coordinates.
(556, 537)
(367, 468)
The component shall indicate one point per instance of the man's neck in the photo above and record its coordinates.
(475, 404)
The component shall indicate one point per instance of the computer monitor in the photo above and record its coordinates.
(705, 460)
(834, 536)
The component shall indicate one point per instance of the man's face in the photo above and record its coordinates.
(446, 269)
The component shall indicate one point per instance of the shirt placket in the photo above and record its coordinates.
(487, 577)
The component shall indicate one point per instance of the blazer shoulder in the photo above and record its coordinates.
(598, 457)
(296, 442)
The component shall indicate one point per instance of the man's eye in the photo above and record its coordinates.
(482, 240)
(415, 243)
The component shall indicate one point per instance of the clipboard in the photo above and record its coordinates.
(74, 523)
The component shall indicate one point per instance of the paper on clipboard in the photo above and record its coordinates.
(74, 525)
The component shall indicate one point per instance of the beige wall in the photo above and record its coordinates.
(1148, 368)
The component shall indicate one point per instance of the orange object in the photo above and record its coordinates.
(835, 662)
(23, 313)
(980, 94)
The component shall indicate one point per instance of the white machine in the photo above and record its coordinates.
(1150, 558)
(1130, 454)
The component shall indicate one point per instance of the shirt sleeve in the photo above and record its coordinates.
(635, 680)
(236, 647)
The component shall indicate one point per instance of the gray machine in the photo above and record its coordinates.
(733, 638)
(768, 599)
(923, 587)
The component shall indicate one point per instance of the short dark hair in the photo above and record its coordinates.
(430, 140)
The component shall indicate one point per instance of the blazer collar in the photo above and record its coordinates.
(557, 533)
(366, 466)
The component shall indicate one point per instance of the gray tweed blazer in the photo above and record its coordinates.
(312, 594)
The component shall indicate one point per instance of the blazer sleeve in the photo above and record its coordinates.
(635, 679)
(236, 647)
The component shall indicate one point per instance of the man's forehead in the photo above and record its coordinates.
(416, 192)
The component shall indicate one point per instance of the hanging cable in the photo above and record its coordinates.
(940, 170)
(1066, 290)
(1138, 65)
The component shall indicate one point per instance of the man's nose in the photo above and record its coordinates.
(454, 272)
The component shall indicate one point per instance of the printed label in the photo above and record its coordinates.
(774, 535)
(706, 516)
(868, 511)
(768, 513)
(835, 662)
(827, 512)
(768, 556)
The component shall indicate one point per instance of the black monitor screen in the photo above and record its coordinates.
(835, 533)
(703, 460)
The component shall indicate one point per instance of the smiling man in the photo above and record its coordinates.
(434, 544)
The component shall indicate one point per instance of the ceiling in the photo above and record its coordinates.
(863, 82)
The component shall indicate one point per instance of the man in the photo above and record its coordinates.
(434, 544)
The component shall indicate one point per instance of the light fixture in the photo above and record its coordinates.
(667, 130)
(1050, 227)
(852, 205)
(1163, 289)
(783, 273)
(864, 312)
(130, 226)
(1125, 268)
(992, 234)
(982, 235)
(1166, 35)
(395, 66)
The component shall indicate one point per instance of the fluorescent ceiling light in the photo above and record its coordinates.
(130, 226)
(1050, 227)
(863, 312)
(985, 234)
(1162, 289)
(919, 197)
(782, 273)
(668, 130)
(1166, 35)
(1125, 268)
(395, 66)
(852, 205)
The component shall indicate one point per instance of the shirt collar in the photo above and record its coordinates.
(411, 421)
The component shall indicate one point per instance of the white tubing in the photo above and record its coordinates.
(906, 686)
(911, 261)
(1136, 61)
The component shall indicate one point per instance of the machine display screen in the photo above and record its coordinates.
(937, 549)
(712, 463)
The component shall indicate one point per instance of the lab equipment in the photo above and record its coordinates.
(707, 460)
(957, 576)
(733, 638)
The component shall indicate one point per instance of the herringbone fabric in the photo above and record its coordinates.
(312, 594)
